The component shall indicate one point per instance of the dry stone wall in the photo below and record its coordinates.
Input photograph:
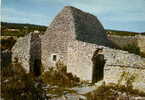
(55, 39)
(21, 51)
(117, 61)
(26, 50)
(141, 43)
(69, 25)
(123, 58)
(123, 41)
(70, 38)
(113, 74)
(79, 59)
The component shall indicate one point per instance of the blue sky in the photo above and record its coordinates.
(128, 15)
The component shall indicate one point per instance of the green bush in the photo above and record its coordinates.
(17, 85)
(59, 76)
(7, 43)
(132, 48)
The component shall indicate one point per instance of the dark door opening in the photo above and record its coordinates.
(98, 67)
(54, 58)
(37, 67)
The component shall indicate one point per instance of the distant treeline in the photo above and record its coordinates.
(123, 33)
(18, 29)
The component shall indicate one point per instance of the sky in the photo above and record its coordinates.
(127, 15)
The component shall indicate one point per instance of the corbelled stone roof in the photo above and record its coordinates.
(78, 25)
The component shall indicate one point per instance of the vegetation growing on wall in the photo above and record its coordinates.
(132, 48)
(113, 92)
(60, 77)
(17, 85)
(123, 90)
(128, 79)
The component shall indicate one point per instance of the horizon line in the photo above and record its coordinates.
(49, 24)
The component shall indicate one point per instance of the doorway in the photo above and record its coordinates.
(37, 67)
(98, 67)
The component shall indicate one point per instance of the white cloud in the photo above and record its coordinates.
(110, 12)
(10, 14)
(114, 10)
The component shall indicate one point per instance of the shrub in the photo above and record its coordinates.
(7, 43)
(132, 48)
(128, 78)
(142, 54)
(59, 76)
(17, 85)
(113, 92)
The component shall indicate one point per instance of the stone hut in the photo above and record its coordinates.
(72, 38)
(61, 40)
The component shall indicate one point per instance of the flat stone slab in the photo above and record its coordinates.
(83, 90)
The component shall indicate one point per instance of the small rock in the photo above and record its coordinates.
(5, 81)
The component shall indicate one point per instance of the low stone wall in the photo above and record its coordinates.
(122, 41)
(121, 58)
(119, 61)
(80, 54)
(141, 43)
(113, 75)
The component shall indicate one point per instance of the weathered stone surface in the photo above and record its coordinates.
(73, 37)
(21, 51)
(82, 52)
(123, 59)
(69, 25)
(123, 41)
(141, 43)
(26, 50)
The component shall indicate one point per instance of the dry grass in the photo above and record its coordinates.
(112, 92)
